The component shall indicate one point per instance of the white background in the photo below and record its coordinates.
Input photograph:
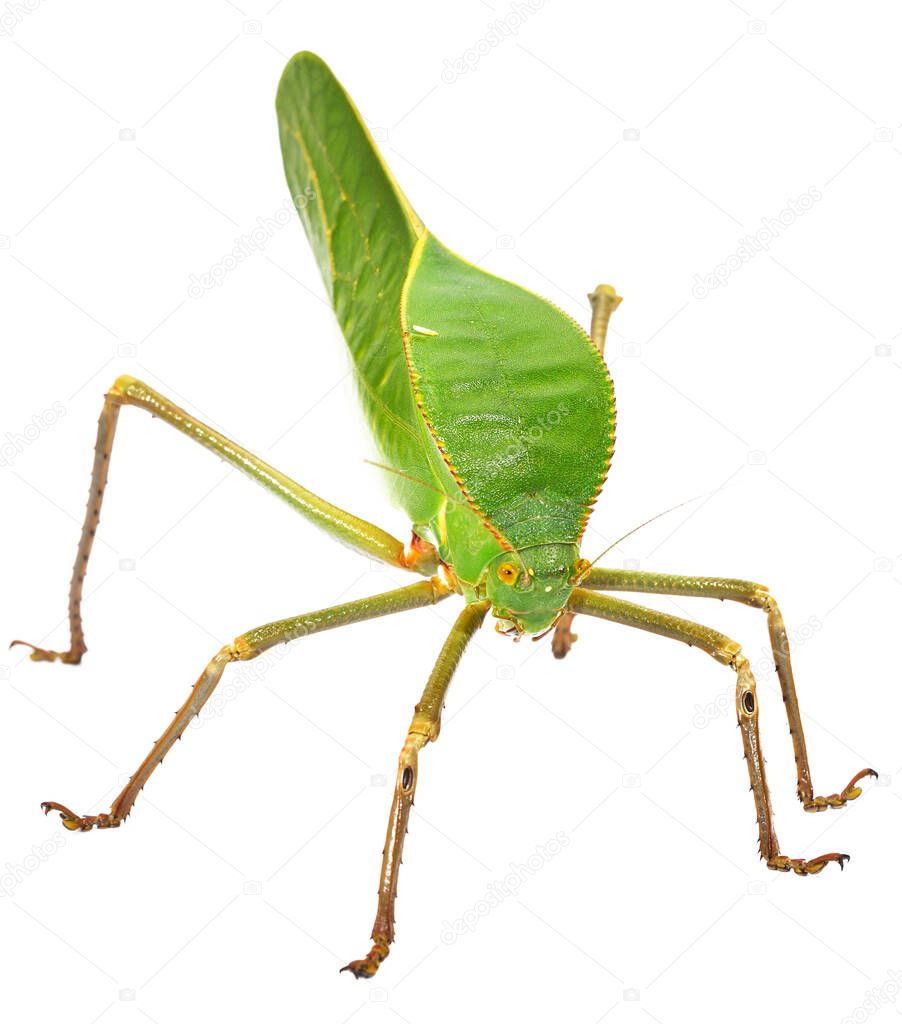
(630, 143)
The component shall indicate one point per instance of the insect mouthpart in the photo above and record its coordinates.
(545, 632)
(507, 626)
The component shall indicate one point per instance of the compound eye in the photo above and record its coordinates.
(582, 568)
(507, 573)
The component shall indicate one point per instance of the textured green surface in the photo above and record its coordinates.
(516, 395)
(494, 407)
(362, 232)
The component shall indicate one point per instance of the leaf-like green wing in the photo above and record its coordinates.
(363, 232)
(515, 394)
(517, 401)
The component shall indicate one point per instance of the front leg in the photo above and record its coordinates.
(755, 595)
(727, 652)
(424, 727)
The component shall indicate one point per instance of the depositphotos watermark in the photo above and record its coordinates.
(876, 998)
(499, 30)
(725, 702)
(498, 891)
(13, 445)
(760, 241)
(246, 245)
(244, 676)
(15, 874)
(13, 14)
(530, 435)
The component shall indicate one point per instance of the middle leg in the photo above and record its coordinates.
(243, 648)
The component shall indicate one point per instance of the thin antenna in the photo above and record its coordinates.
(414, 479)
(636, 529)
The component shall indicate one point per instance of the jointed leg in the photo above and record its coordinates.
(243, 648)
(423, 728)
(564, 637)
(347, 528)
(756, 596)
(727, 652)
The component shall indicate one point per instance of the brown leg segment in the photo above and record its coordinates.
(424, 728)
(756, 596)
(245, 647)
(564, 637)
(727, 652)
(345, 527)
(106, 431)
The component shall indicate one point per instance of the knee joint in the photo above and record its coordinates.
(763, 599)
(240, 649)
(746, 693)
(121, 385)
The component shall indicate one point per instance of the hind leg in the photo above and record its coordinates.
(345, 527)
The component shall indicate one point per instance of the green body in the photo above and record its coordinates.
(496, 413)
(494, 408)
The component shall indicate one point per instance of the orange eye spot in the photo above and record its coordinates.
(507, 573)
(582, 570)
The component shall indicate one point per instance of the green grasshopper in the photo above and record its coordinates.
(494, 412)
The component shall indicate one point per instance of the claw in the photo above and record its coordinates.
(367, 967)
(806, 867)
(851, 792)
(81, 823)
(361, 968)
(42, 654)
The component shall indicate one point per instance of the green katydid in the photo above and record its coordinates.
(494, 412)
